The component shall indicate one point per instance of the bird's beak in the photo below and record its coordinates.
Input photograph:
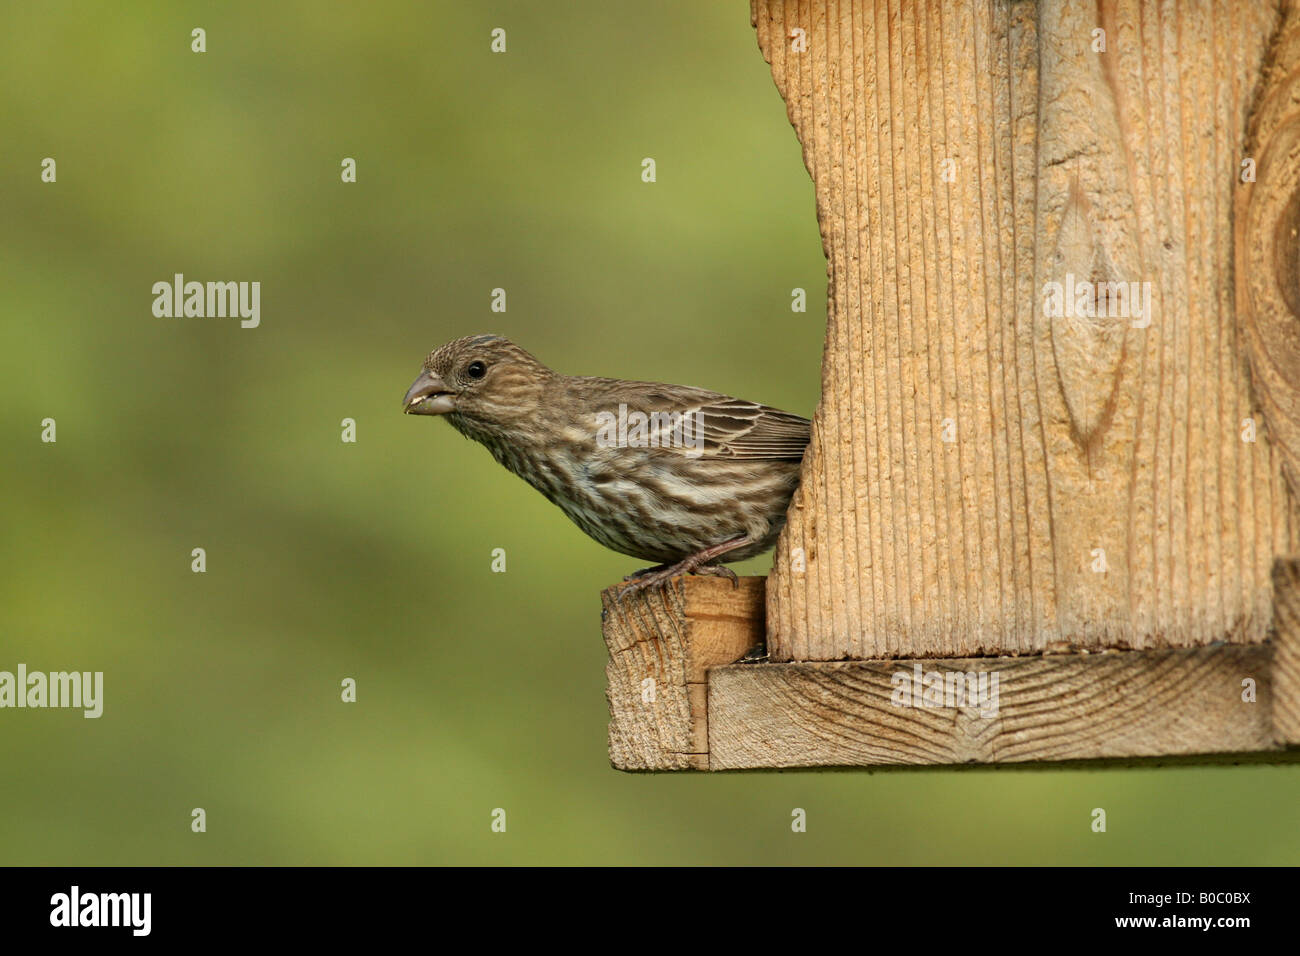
(429, 395)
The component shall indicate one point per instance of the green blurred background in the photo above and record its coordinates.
(372, 560)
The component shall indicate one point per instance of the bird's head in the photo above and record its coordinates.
(484, 380)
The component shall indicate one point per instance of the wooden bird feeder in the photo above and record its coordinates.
(1057, 453)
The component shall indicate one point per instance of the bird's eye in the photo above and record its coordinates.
(475, 369)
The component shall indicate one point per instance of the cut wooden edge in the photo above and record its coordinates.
(662, 644)
(702, 711)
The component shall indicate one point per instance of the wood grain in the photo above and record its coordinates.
(670, 637)
(965, 154)
(1121, 704)
(1268, 246)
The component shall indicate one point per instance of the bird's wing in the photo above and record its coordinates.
(737, 429)
(709, 424)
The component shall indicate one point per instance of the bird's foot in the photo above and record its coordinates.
(648, 578)
(694, 564)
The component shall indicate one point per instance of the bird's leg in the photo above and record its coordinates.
(697, 563)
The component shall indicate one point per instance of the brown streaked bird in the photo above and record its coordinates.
(680, 476)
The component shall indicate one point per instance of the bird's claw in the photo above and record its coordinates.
(652, 577)
(648, 578)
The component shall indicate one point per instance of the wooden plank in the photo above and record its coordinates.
(1122, 704)
(986, 476)
(661, 644)
(709, 713)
